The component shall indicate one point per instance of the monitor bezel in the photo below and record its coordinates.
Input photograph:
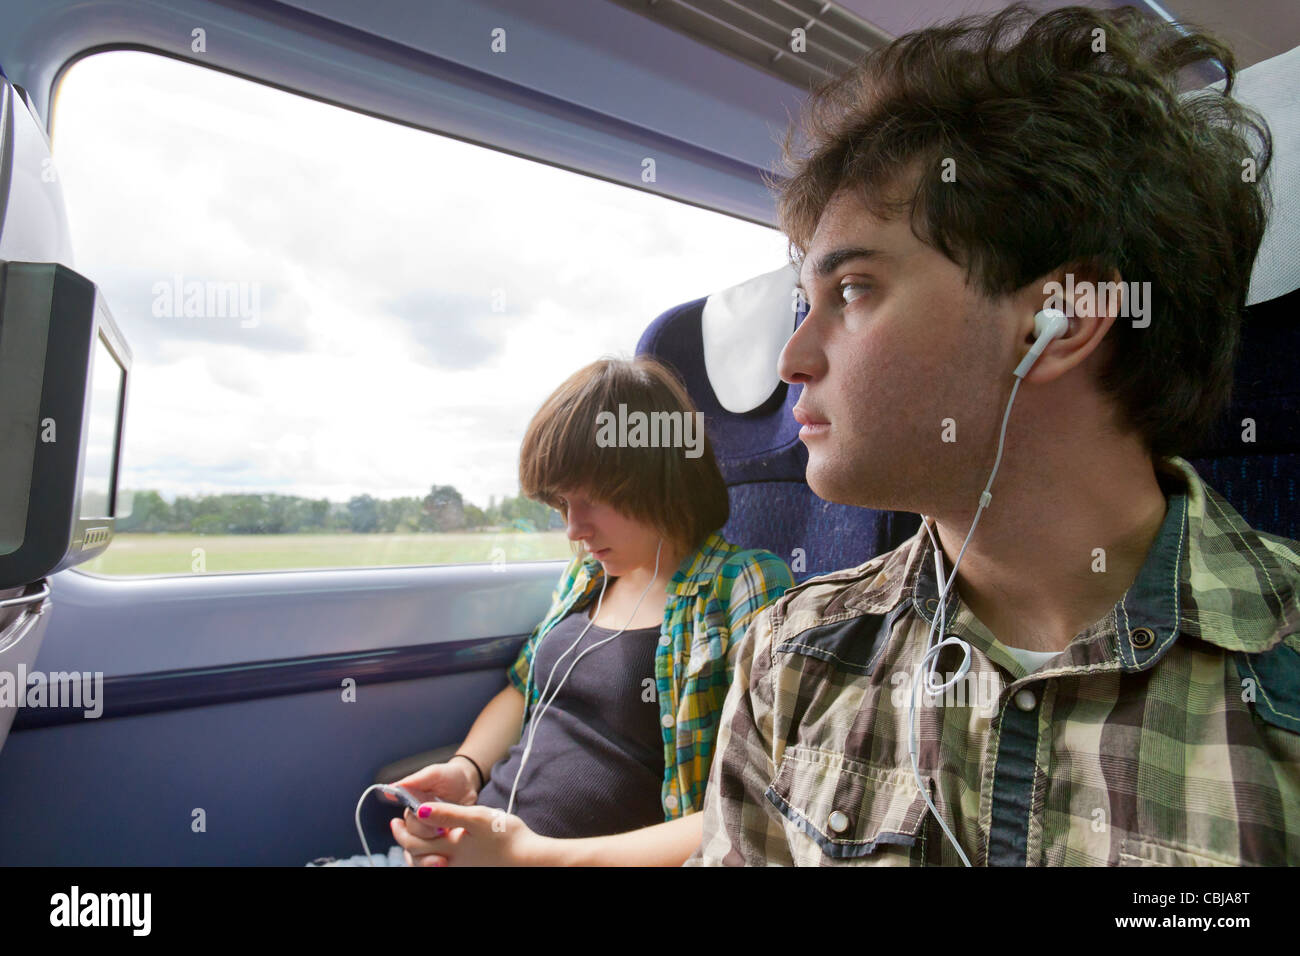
(105, 328)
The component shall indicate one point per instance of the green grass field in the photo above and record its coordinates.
(175, 553)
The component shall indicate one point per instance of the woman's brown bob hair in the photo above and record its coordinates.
(684, 498)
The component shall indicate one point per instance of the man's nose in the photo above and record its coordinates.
(802, 359)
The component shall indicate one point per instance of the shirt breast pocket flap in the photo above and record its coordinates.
(708, 646)
(1144, 851)
(846, 809)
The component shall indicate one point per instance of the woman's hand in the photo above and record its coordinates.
(455, 781)
(449, 835)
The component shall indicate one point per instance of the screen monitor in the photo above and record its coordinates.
(64, 372)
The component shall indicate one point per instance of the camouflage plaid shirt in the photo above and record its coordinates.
(712, 598)
(1167, 733)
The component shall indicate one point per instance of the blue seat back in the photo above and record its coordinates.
(1253, 457)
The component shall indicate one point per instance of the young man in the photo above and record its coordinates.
(1120, 650)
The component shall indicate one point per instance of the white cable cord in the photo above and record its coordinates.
(537, 717)
(361, 832)
(926, 671)
(543, 703)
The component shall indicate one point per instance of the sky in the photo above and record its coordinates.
(400, 303)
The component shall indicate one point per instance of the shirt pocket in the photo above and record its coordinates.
(708, 649)
(1144, 851)
(838, 810)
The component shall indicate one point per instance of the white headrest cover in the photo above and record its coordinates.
(1273, 88)
(745, 328)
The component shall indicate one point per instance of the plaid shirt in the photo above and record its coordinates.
(1167, 733)
(714, 595)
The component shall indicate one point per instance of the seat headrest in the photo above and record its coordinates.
(1273, 88)
(744, 329)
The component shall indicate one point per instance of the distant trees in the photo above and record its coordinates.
(150, 512)
(401, 515)
(442, 509)
(363, 514)
(520, 512)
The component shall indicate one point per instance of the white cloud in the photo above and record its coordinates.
(377, 364)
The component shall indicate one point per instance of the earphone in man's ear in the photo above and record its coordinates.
(1049, 324)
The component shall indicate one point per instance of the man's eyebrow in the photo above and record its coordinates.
(828, 263)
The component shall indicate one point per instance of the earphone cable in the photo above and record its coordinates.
(924, 676)
(545, 704)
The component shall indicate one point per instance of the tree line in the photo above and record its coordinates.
(442, 509)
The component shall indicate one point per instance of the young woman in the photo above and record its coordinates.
(618, 691)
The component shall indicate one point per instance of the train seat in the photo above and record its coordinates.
(725, 347)
(1253, 457)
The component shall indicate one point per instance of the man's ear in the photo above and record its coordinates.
(1091, 306)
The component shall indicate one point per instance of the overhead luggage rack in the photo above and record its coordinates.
(761, 32)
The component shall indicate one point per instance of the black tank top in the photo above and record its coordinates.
(597, 761)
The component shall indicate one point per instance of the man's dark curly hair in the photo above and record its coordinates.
(1077, 148)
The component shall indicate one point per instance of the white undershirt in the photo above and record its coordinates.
(1030, 660)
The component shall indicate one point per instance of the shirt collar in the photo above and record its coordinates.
(1147, 617)
(700, 566)
(1208, 574)
(1236, 592)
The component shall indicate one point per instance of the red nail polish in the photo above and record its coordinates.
(440, 831)
(424, 811)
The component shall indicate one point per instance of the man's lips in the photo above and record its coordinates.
(813, 424)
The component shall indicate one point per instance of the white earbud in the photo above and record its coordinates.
(1049, 324)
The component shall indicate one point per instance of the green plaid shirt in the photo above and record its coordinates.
(712, 598)
(1167, 733)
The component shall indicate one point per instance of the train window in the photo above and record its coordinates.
(342, 325)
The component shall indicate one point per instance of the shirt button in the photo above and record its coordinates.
(670, 802)
(839, 821)
(664, 640)
(668, 720)
(1025, 699)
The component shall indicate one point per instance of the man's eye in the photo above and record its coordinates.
(852, 290)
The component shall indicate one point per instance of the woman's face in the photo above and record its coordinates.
(620, 543)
